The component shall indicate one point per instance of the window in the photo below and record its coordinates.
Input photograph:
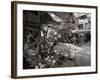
(80, 26)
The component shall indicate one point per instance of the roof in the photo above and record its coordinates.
(59, 16)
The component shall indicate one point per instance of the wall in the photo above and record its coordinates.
(5, 40)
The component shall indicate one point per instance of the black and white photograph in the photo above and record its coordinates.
(53, 39)
(56, 39)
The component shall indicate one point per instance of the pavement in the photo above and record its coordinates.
(82, 57)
